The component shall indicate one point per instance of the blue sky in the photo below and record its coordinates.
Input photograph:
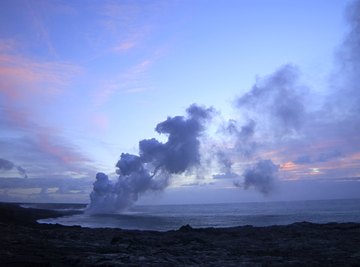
(82, 82)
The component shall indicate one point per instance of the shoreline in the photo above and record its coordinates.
(24, 242)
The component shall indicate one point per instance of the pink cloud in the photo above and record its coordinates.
(47, 139)
(24, 85)
(25, 79)
(62, 153)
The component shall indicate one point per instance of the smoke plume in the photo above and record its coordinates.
(6, 165)
(152, 169)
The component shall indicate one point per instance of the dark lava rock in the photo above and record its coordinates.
(25, 243)
(185, 228)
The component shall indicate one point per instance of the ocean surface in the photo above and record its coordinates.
(171, 217)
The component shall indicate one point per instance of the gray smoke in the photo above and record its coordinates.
(152, 169)
(6, 165)
(260, 176)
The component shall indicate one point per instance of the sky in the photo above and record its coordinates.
(83, 82)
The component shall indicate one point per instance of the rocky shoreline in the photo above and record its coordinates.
(23, 242)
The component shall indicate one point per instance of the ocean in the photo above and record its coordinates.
(171, 217)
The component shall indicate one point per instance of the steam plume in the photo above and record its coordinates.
(155, 164)
(261, 176)
(280, 98)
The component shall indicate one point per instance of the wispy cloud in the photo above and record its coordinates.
(44, 189)
(133, 80)
(37, 147)
(37, 22)
(22, 78)
(128, 29)
(125, 46)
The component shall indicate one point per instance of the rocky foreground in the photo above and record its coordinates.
(23, 242)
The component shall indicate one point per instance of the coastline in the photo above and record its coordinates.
(24, 242)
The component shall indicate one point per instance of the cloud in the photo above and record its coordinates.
(41, 142)
(22, 78)
(322, 157)
(26, 84)
(132, 35)
(44, 189)
(41, 29)
(58, 158)
(62, 183)
(131, 81)
(126, 24)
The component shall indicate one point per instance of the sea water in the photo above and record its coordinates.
(170, 217)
